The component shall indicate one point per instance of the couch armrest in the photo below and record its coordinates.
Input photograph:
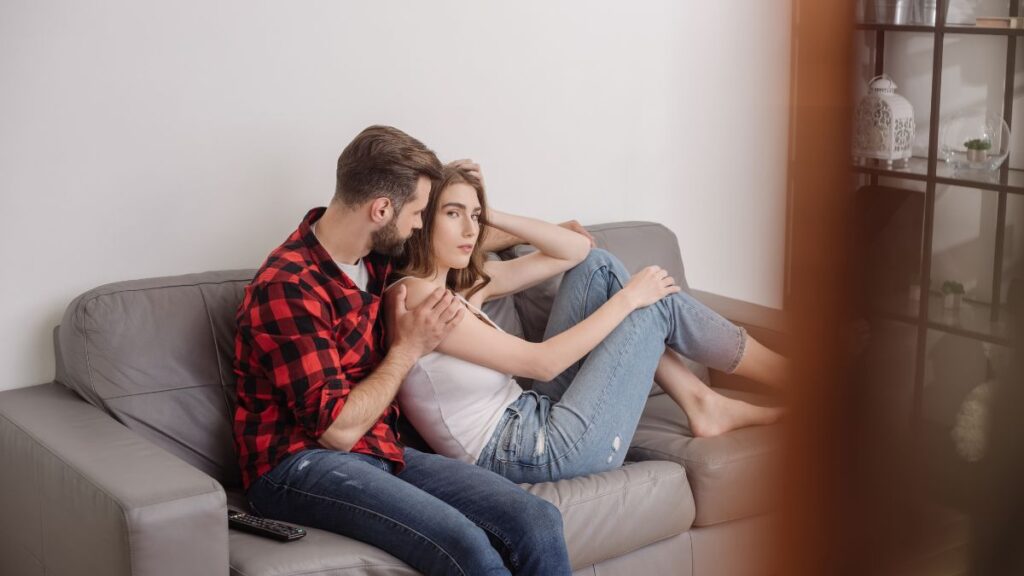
(768, 325)
(82, 494)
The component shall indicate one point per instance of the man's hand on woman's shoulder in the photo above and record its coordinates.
(419, 316)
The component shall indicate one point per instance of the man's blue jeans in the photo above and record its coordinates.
(583, 421)
(438, 515)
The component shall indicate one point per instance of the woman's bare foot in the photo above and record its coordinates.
(713, 414)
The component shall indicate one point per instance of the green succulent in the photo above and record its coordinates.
(978, 144)
(951, 287)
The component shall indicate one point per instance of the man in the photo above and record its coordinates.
(315, 423)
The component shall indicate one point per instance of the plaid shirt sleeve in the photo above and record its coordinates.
(290, 334)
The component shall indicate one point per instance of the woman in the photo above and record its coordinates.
(605, 342)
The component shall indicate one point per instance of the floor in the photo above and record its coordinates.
(944, 552)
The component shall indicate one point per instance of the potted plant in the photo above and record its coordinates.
(952, 294)
(977, 149)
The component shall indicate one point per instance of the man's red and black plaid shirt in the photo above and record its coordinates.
(306, 336)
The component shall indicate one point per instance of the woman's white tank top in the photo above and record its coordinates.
(456, 405)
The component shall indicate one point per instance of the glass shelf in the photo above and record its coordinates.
(987, 30)
(947, 29)
(917, 169)
(972, 320)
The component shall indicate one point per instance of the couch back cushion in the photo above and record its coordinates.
(156, 355)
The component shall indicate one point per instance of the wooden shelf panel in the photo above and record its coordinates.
(917, 169)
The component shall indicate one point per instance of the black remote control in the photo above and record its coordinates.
(264, 527)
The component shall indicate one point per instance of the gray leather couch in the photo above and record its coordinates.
(125, 464)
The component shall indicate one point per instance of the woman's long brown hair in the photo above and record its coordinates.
(419, 257)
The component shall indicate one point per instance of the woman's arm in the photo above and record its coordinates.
(498, 240)
(558, 249)
(474, 341)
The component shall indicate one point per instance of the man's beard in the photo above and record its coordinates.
(388, 240)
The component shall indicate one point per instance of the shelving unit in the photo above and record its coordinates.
(976, 320)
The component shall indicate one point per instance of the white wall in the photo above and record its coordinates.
(140, 139)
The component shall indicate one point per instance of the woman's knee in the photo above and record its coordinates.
(600, 256)
(597, 259)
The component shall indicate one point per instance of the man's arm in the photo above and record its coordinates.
(367, 401)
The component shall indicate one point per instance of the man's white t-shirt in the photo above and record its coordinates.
(357, 272)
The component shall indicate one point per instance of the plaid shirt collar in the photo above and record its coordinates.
(377, 265)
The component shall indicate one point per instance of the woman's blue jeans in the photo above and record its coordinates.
(438, 515)
(583, 421)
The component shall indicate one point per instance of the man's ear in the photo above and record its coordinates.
(380, 210)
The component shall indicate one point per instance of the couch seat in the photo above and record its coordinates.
(613, 513)
(606, 515)
(732, 476)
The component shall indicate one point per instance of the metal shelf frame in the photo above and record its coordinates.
(1009, 182)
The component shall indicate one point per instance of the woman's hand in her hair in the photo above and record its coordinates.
(648, 286)
(472, 167)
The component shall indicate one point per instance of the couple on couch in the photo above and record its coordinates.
(375, 302)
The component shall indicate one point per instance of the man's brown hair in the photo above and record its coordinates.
(419, 258)
(383, 162)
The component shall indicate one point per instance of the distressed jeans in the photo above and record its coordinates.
(583, 421)
(438, 515)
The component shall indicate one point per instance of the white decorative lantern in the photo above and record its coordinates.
(884, 127)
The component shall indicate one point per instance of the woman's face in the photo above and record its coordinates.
(456, 226)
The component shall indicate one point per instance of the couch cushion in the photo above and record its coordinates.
(156, 355)
(613, 513)
(605, 515)
(503, 311)
(320, 552)
(637, 244)
(734, 475)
